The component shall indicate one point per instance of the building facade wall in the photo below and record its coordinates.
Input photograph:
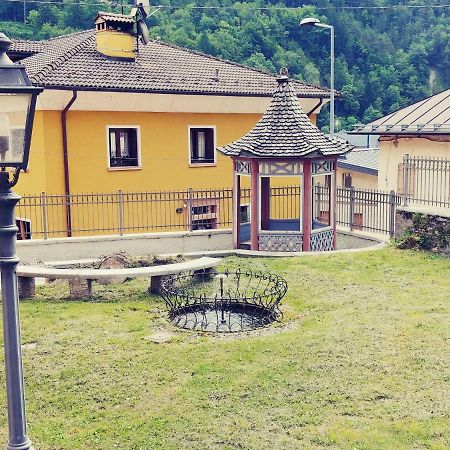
(359, 180)
(165, 165)
(392, 152)
(164, 148)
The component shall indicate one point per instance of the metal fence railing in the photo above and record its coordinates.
(425, 181)
(50, 215)
(366, 209)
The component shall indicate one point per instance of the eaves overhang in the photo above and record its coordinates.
(355, 168)
(167, 91)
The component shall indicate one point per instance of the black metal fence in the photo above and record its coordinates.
(49, 215)
(366, 209)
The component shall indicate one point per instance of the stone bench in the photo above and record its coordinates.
(80, 280)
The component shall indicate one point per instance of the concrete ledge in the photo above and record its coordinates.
(429, 210)
(75, 248)
(194, 244)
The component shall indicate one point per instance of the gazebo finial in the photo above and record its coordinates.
(284, 75)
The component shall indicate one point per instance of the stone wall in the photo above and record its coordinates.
(423, 228)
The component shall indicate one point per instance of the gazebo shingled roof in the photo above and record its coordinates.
(285, 131)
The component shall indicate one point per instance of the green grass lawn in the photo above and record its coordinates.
(362, 361)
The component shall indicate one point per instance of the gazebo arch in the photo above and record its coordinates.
(285, 143)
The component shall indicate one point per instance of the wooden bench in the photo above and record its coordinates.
(80, 280)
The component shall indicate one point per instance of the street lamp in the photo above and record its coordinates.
(17, 106)
(312, 21)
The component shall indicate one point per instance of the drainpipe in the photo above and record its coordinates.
(315, 108)
(66, 162)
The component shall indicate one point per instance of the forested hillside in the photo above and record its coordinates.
(388, 55)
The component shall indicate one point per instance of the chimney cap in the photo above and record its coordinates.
(114, 17)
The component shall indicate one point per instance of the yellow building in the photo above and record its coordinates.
(117, 114)
(359, 168)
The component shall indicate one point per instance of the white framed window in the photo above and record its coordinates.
(123, 146)
(202, 145)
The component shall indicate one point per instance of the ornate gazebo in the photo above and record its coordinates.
(285, 144)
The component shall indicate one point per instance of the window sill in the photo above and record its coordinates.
(199, 164)
(119, 169)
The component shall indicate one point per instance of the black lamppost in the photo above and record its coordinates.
(17, 106)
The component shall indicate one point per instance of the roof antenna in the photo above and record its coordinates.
(141, 12)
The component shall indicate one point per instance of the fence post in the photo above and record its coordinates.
(120, 201)
(405, 178)
(352, 207)
(44, 214)
(189, 204)
(392, 205)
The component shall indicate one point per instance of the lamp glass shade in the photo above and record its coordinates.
(14, 108)
(10, 76)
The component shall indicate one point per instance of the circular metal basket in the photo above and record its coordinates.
(223, 302)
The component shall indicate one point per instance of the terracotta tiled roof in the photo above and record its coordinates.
(285, 131)
(21, 48)
(24, 45)
(72, 61)
(429, 116)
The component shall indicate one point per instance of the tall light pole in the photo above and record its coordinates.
(312, 21)
(17, 107)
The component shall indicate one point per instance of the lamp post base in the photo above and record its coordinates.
(26, 446)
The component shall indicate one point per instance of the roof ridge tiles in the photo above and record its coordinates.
(68, 35)
(56, 63)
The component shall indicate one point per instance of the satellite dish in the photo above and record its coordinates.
(144, 5)
(143, 31)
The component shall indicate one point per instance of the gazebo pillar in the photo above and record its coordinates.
(307, 206)
(265, 202)
(254, 206)
(333, 203)
(236, 209)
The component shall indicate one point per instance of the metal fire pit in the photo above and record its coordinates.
(223, 302)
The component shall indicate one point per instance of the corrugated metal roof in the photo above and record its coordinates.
(364, 160)
(429, 116)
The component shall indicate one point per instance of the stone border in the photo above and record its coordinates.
(80, 280)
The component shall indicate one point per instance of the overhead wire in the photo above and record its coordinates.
(255, 8)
